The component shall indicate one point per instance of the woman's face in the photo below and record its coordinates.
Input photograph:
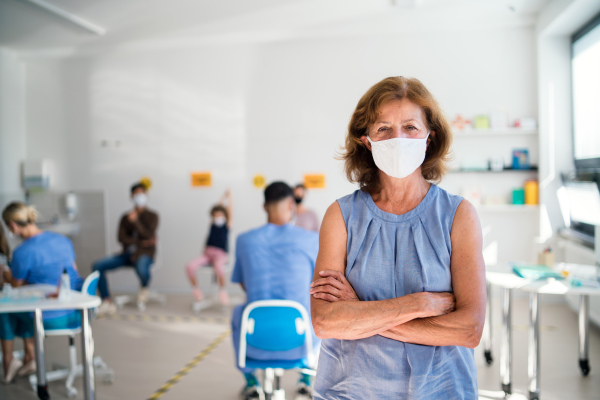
(398, 119)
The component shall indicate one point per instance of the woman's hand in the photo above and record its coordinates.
(332, 286)
(434, 304)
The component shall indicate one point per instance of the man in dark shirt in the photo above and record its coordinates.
(137, 235)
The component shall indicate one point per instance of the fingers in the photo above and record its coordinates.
(335, 274)
(326, 289)
(328, 281)
(326, 297)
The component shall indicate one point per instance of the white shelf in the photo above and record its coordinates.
(507, 208)
(495, 132)
(489, 171)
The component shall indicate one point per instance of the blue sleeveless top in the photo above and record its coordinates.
(390, 256)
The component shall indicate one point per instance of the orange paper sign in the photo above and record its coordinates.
(314, 181)
(201, 179)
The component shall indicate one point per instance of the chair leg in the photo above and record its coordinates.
(268, 382)
(121, 300)
(279, 393)
(71, 391)
(108, 375)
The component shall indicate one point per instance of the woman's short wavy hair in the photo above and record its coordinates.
(359, 164)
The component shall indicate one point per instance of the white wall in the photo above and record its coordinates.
(108, 121)
(303, 93)
(279, 109)
(12, 138)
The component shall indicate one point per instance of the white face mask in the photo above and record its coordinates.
(219, 221)
(399, 157)
(140, 200)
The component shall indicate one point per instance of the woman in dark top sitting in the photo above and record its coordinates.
(217, 247)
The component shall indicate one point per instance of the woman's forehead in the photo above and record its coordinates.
(400, 110)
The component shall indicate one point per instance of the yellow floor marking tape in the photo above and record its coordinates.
(162, 318)
(189, 366)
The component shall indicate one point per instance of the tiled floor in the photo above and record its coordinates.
(146, 353)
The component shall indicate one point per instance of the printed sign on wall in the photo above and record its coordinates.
(314, 181)
(201, 179)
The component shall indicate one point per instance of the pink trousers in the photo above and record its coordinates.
(212, 256)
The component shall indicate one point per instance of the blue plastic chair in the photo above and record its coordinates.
(276, 325)
(90, 285)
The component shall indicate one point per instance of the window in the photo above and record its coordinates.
(585, 67)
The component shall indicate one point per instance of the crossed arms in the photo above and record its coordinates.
(434, 319)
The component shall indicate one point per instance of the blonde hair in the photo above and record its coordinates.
(19, 213)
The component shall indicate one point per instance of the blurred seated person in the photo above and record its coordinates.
(305, 218)
(137, 235)
(275, 262)
(40, 259)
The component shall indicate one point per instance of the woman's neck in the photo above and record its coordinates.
(30, 231)
(399, 196)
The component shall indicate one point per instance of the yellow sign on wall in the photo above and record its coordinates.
(201, 179)
(314, 181)
(259, 181)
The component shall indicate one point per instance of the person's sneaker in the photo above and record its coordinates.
(303, 392)
(107, 307)
(13, 368)
(198, 295)
(143, 295)
(28, 369)
(223, 297)
(252, 393)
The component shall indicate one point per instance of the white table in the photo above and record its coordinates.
(78, 301)
(504, 277)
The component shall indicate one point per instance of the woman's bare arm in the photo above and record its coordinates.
(464, 326)
(359, 319)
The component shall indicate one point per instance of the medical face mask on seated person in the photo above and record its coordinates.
(140, 200)
(219, 221)
(399, 157)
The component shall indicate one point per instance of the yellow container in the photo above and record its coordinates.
(531, 192)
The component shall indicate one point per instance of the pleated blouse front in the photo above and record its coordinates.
(390, 256)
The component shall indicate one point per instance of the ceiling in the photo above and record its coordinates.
(26, 27)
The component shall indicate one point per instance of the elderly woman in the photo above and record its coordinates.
(399, 287)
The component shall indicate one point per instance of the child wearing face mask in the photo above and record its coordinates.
(217, 247)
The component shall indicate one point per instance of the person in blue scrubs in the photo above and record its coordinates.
(40, 259)
(275, 262)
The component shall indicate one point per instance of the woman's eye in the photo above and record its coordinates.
(411, 128)
(382, 129)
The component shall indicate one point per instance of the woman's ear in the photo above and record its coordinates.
(365, 141)
(429, 138)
